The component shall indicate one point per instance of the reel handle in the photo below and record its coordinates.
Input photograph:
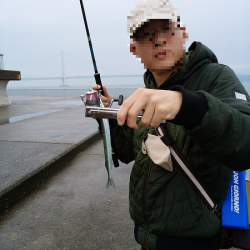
(119, 100)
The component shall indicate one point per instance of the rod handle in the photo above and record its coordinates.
(98, 81)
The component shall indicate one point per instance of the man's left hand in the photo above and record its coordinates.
(158, 105)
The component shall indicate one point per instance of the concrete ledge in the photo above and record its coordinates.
(4, 99)
(5, 77)
(21, 187)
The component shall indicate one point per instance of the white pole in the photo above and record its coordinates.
(63, 69)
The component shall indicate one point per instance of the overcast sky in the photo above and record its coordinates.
(33, 33)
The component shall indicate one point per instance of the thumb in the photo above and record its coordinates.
(105, 91)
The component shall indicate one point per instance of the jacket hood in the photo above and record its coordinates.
(198, 55)
(201, 54)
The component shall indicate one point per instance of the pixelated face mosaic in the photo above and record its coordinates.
(159, 44)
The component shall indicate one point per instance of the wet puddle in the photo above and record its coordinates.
(24, 117)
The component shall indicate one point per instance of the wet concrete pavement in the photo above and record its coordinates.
(35, 142)
(66, 125)
(73, 209)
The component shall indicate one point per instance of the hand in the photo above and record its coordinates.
(158, 105)
(106, 98)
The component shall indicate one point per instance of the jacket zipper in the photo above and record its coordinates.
(150, 169)
(146, 189)
(168, 79)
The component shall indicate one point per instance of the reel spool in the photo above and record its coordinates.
(91, 98)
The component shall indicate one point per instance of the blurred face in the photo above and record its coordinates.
(159, 44)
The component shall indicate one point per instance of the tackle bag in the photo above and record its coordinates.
(235, 215)
(234, 208)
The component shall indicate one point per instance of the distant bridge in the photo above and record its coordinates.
(63, 78)
(75, 77)
(242, 78)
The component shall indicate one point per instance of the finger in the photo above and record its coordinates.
(147, 116)
(104, 99)
(135, 109)
(105, 91)
(96, 86)
(106, 104)
(123, 110)
(156, 119)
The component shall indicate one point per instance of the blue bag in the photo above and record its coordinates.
(234, 208)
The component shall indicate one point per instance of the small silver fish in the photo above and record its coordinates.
(107, 148)
(93, 99)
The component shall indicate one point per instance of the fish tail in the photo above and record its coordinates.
(110, 183)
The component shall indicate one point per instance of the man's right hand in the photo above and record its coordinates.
(106, 98)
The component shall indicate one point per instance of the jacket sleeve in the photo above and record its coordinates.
(122, 142)
(225, 129)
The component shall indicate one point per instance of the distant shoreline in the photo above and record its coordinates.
(88, 86)
(79, 87)
(76, 91)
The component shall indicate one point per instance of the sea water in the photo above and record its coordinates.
(116, 85)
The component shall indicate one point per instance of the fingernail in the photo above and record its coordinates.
(120, 122)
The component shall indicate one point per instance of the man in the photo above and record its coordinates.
(208, 116)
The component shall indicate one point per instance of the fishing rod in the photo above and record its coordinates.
(97, 75)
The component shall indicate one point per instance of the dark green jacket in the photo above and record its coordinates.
(164, 203)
